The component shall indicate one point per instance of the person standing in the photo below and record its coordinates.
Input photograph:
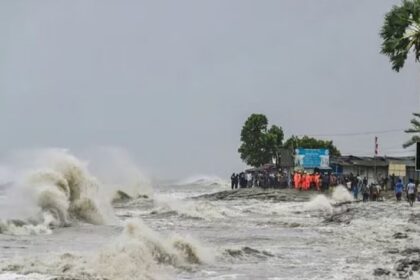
(242, 180)
(317, 181)
(359, 186)
(392, 178)
(298, 180)
(332, 180)
(249, 180)
(354, 189)
(411, 192)
(325, 178)
(232, 180)
(289, 180)
(365, 181)
(399, 189)
(365, 192)
(307, 181)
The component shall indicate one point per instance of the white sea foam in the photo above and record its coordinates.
(15, 276)
(202, 209)
(341, 194)
(57, 189)
(323, 203)
(319, 203)
(203, 180)
(138, 253)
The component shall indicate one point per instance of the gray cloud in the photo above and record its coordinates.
(173, 81)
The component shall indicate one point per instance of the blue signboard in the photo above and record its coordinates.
(312, 158)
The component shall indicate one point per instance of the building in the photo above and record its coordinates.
(375, 168)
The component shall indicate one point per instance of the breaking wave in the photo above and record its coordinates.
(341, 194)
(205, 210)
(60, 190)
(138, 253)
(142, 246)
(203, 180)
(319, 203)
(324, 204)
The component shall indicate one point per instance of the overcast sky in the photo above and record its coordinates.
(173, 81)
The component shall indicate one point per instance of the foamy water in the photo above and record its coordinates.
(74, 232)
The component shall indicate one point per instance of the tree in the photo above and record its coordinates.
(415, 129)
(259, 144)
(275, 142)
(401, 33)
(311, 143)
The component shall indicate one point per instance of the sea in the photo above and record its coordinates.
(62, 219)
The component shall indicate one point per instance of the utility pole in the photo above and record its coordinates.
(374, 158)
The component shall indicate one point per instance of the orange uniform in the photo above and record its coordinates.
(296, 180)
(303, 181)
(311, 181)
(308, 180)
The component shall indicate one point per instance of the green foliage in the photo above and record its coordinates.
(415, 129)
(311, 143)
(275, 142)
(401, 33)
(259, 144)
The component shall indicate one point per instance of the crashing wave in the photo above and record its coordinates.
(342, 195)
(319, 203)
(60, 191)
(322, 203)
(138, 253)
(175, 250)
(20, 227)
(192, 209)
(203, 180)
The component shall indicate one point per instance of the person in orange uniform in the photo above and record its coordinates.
(308, 181)
(303, 181)
(296, 180)
(312, 181)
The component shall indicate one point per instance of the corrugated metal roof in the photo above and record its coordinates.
(371, 161)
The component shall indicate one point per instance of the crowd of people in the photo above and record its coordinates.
(358, 185)
(322, 181)
(260, 179)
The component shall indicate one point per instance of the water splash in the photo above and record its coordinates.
(56, 190)
(138, 253)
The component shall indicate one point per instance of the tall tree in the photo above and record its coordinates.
(275, 137)
(311, 143)
(415, 129)
(260, 144)
(401, 33)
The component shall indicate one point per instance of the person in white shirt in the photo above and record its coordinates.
(411, 191)
(249, 179)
